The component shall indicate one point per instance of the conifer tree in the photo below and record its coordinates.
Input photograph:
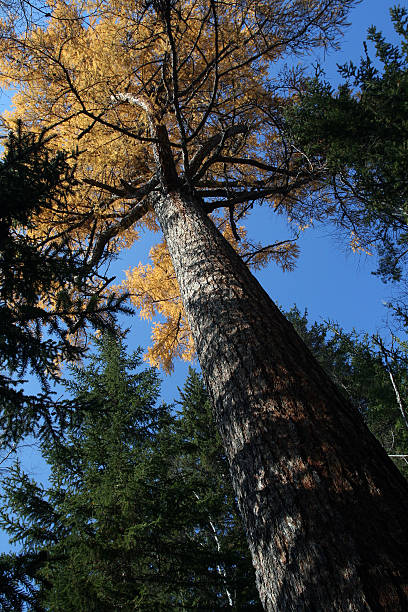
(139, 514)
(45, 294)
(185, 444)
(355, 139)
(176, 113)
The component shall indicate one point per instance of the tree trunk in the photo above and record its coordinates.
(324, 508)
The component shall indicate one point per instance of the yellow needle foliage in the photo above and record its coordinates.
(154, 291)
(206, 70)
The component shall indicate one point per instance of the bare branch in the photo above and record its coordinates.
(105, 187)
(247, 161)
(268, 248)
(206, 149)
(135, 214)
(385, 353)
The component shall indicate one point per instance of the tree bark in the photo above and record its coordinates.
(325, 510)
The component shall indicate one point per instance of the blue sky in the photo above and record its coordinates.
(330, 280)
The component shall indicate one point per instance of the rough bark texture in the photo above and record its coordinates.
(324, 508)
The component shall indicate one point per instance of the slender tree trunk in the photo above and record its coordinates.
(325, 510)
(220, 568)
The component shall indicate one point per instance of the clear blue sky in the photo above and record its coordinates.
(330, 281)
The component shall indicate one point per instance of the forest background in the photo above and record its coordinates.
(329, 280)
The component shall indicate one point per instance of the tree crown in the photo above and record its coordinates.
(124, 80)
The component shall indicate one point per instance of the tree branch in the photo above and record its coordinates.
(212, 143)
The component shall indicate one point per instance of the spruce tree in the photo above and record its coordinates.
(355, 139)
(47, 294)
(140, 513)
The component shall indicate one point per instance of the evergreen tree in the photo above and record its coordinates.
(139, 514)
(355, 140)
(46, 292)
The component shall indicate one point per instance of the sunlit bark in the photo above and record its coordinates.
(324, 508)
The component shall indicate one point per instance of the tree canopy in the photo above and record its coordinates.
(47, 296)
(356, 140)
(139, 512)
(203, 70)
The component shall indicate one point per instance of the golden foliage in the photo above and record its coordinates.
(202, 67)
(355, 245)
(154, 290)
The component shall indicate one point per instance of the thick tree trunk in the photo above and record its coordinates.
(324, 509)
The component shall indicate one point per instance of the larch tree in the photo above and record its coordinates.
(174, 106)
(371, 372)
